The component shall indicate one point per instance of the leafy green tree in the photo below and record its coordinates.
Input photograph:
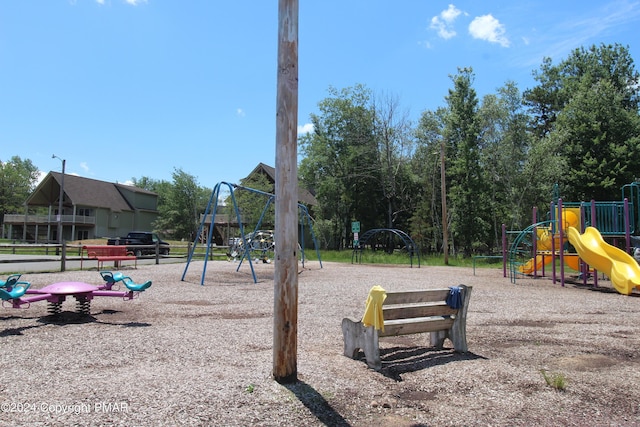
(341, 165)
(588, 106)
(426, 221)
(544, 101)
(147, 183)
(600, 140)
(17, 180)
(505, 142)
(470, 223)
(182, 203)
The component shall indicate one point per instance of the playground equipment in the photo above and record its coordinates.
(261, 246)
(548, 241)
(392, 238)
(19, 294)
(622, 268)
(243, 241)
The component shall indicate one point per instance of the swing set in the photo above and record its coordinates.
(245, 244)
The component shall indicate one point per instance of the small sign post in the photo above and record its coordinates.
(355, 229)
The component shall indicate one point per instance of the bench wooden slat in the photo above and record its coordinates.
(430, 295)
(109, 250)
(417, 310)
(415, 326)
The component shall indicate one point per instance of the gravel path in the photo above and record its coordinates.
(185, 354)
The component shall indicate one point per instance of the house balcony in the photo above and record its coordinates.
(16, 219)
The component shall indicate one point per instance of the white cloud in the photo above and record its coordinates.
(450, 14)
(100, 1)
(84, 166)
(443, 23)
(305, 128)
(240, 112)
(488, 28)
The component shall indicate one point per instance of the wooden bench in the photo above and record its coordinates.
(103, 253)
(441, 312)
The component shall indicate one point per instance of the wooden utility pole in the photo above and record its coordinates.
(285, 310)
(443, 190)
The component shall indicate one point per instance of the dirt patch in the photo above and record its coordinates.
(585, 362)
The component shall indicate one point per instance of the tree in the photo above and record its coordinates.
(182, 203)
(504, 142)
(341, 165)
(600, 140)
(467, 191)
(17, 180)
(426, 223)
(589, 106)
(544, 101)
(395, 148)
(147, 183)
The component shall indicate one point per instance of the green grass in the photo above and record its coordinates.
(345, 256)
(381, 257)
(557, 381)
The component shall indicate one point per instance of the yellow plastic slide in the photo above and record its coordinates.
(535, 264)
(545, 238)
(621, 268)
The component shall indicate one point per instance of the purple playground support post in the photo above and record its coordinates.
(584, 267)
(104, 293)
(504, 250)
(593, 224)
(553, 245)
(561, 241)
(627, 225)
(535, 245)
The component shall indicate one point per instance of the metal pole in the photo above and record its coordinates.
(61, 198)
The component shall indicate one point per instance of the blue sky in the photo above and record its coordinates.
(133, 88)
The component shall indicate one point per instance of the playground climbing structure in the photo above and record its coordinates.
(560, 238)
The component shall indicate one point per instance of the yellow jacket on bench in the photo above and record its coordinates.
(373, 311)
